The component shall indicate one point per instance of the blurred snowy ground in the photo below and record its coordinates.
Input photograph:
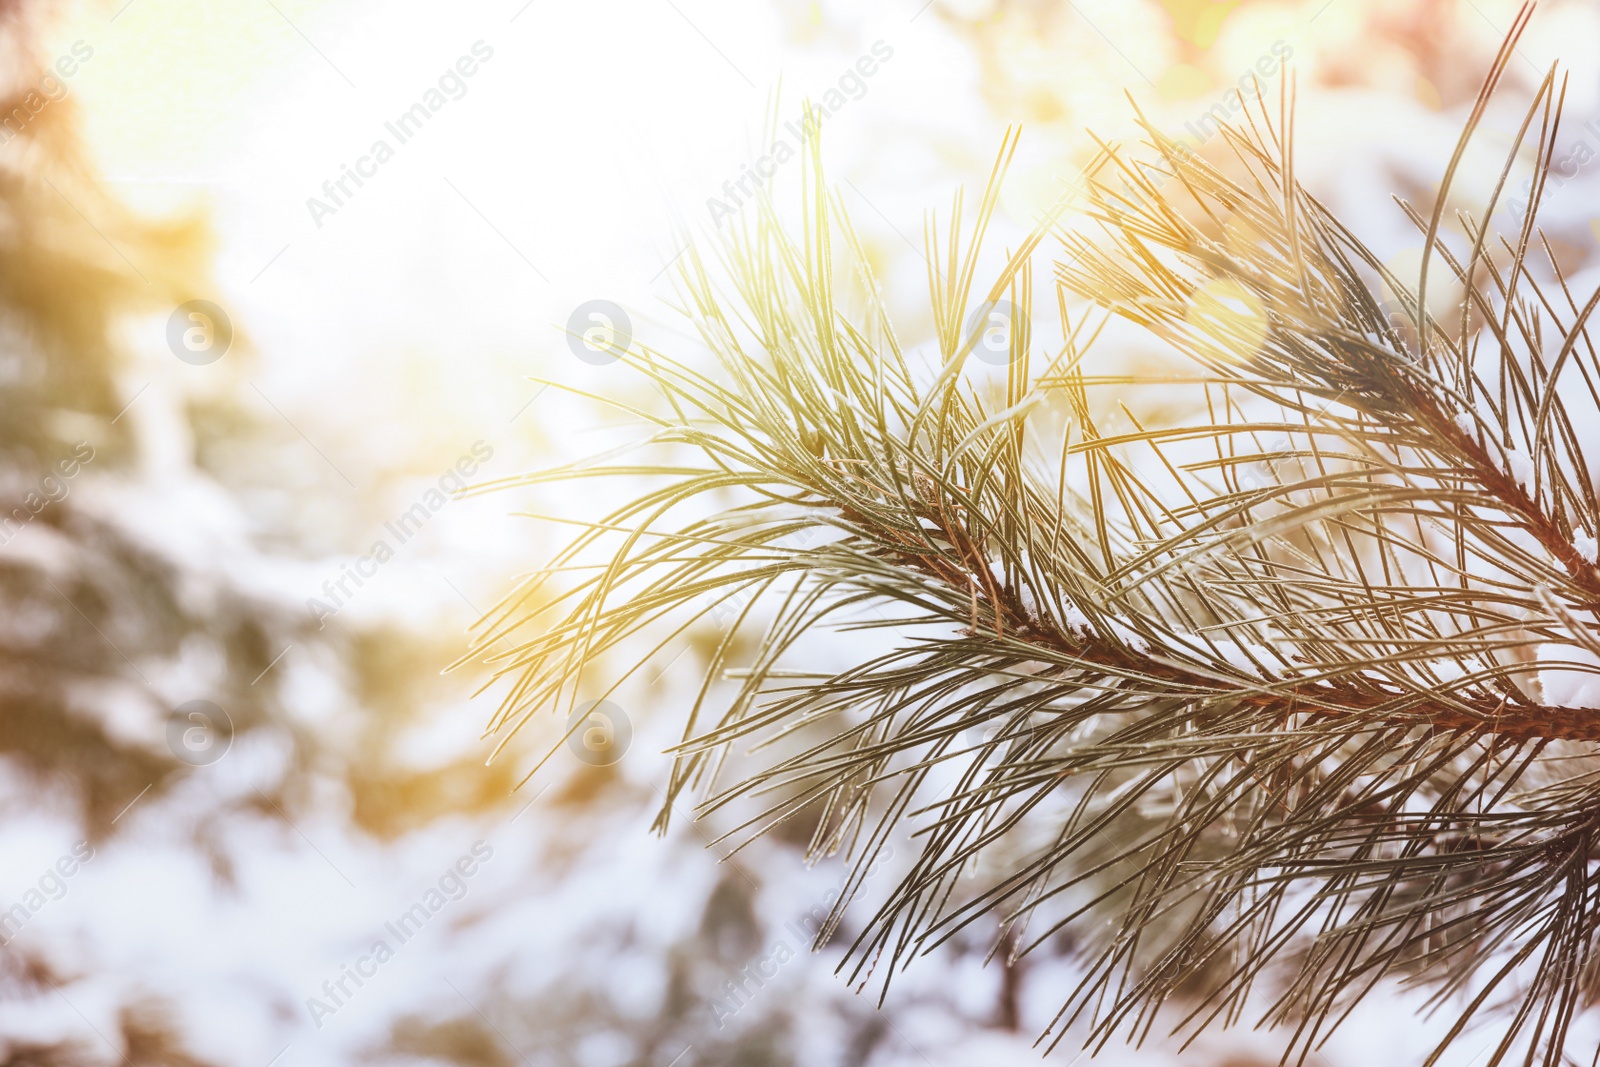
(379, 343)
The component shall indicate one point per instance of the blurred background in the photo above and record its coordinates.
(281, 276)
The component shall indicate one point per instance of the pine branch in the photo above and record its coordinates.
(1300, 715)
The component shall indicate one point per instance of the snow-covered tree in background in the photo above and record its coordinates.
(175, 566)
(213, 759)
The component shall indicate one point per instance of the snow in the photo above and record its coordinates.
(1239, 654)
(1123, 629)
(1520, 466)
(1571, 677)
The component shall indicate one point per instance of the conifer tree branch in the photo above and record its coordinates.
(1292, 694)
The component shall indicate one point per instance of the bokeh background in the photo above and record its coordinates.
(223, 773)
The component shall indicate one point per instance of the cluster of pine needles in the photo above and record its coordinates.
(1259, 710)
